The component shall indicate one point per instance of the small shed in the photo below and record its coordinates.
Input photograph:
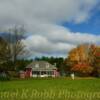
(22, 74)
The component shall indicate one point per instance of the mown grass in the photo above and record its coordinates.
(50, 89)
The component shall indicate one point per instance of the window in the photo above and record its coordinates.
(47, 65)
(37, 66)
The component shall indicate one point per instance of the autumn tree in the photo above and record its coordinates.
(95, 52)
(85, 58)
(82, 69)
(79, 54)
(80, 59)
(12, 47)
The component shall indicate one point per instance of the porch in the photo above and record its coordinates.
(42, 73)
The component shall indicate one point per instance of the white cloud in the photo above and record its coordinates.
(40, 17)
(41, 45)
(57, 40)
(29, 11)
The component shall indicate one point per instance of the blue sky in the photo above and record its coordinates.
(53, 27)
(91, 26)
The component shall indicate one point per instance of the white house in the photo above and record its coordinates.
(41, 69)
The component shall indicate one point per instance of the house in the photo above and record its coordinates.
(41, 69)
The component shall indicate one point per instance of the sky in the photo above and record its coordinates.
(53, 27)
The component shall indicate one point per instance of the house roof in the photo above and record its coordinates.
(41, 65)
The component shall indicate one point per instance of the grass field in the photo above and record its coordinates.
(50, 89)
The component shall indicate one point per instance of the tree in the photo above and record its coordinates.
(96, 60)
(21, 64)
(83, 69)
(11, 49)
(16, 45)
(4, 54)
(84, 58)
(79, 54)
(4, 50)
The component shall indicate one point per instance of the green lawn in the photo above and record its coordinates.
(50, 89)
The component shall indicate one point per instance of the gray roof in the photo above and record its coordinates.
(41, 65)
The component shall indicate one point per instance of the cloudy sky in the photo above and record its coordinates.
(53, 26)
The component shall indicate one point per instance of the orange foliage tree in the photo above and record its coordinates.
(84, 59)
(82, 68)
(96, 62)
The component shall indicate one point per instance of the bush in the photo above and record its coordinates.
(13, 74)
(4, 77)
